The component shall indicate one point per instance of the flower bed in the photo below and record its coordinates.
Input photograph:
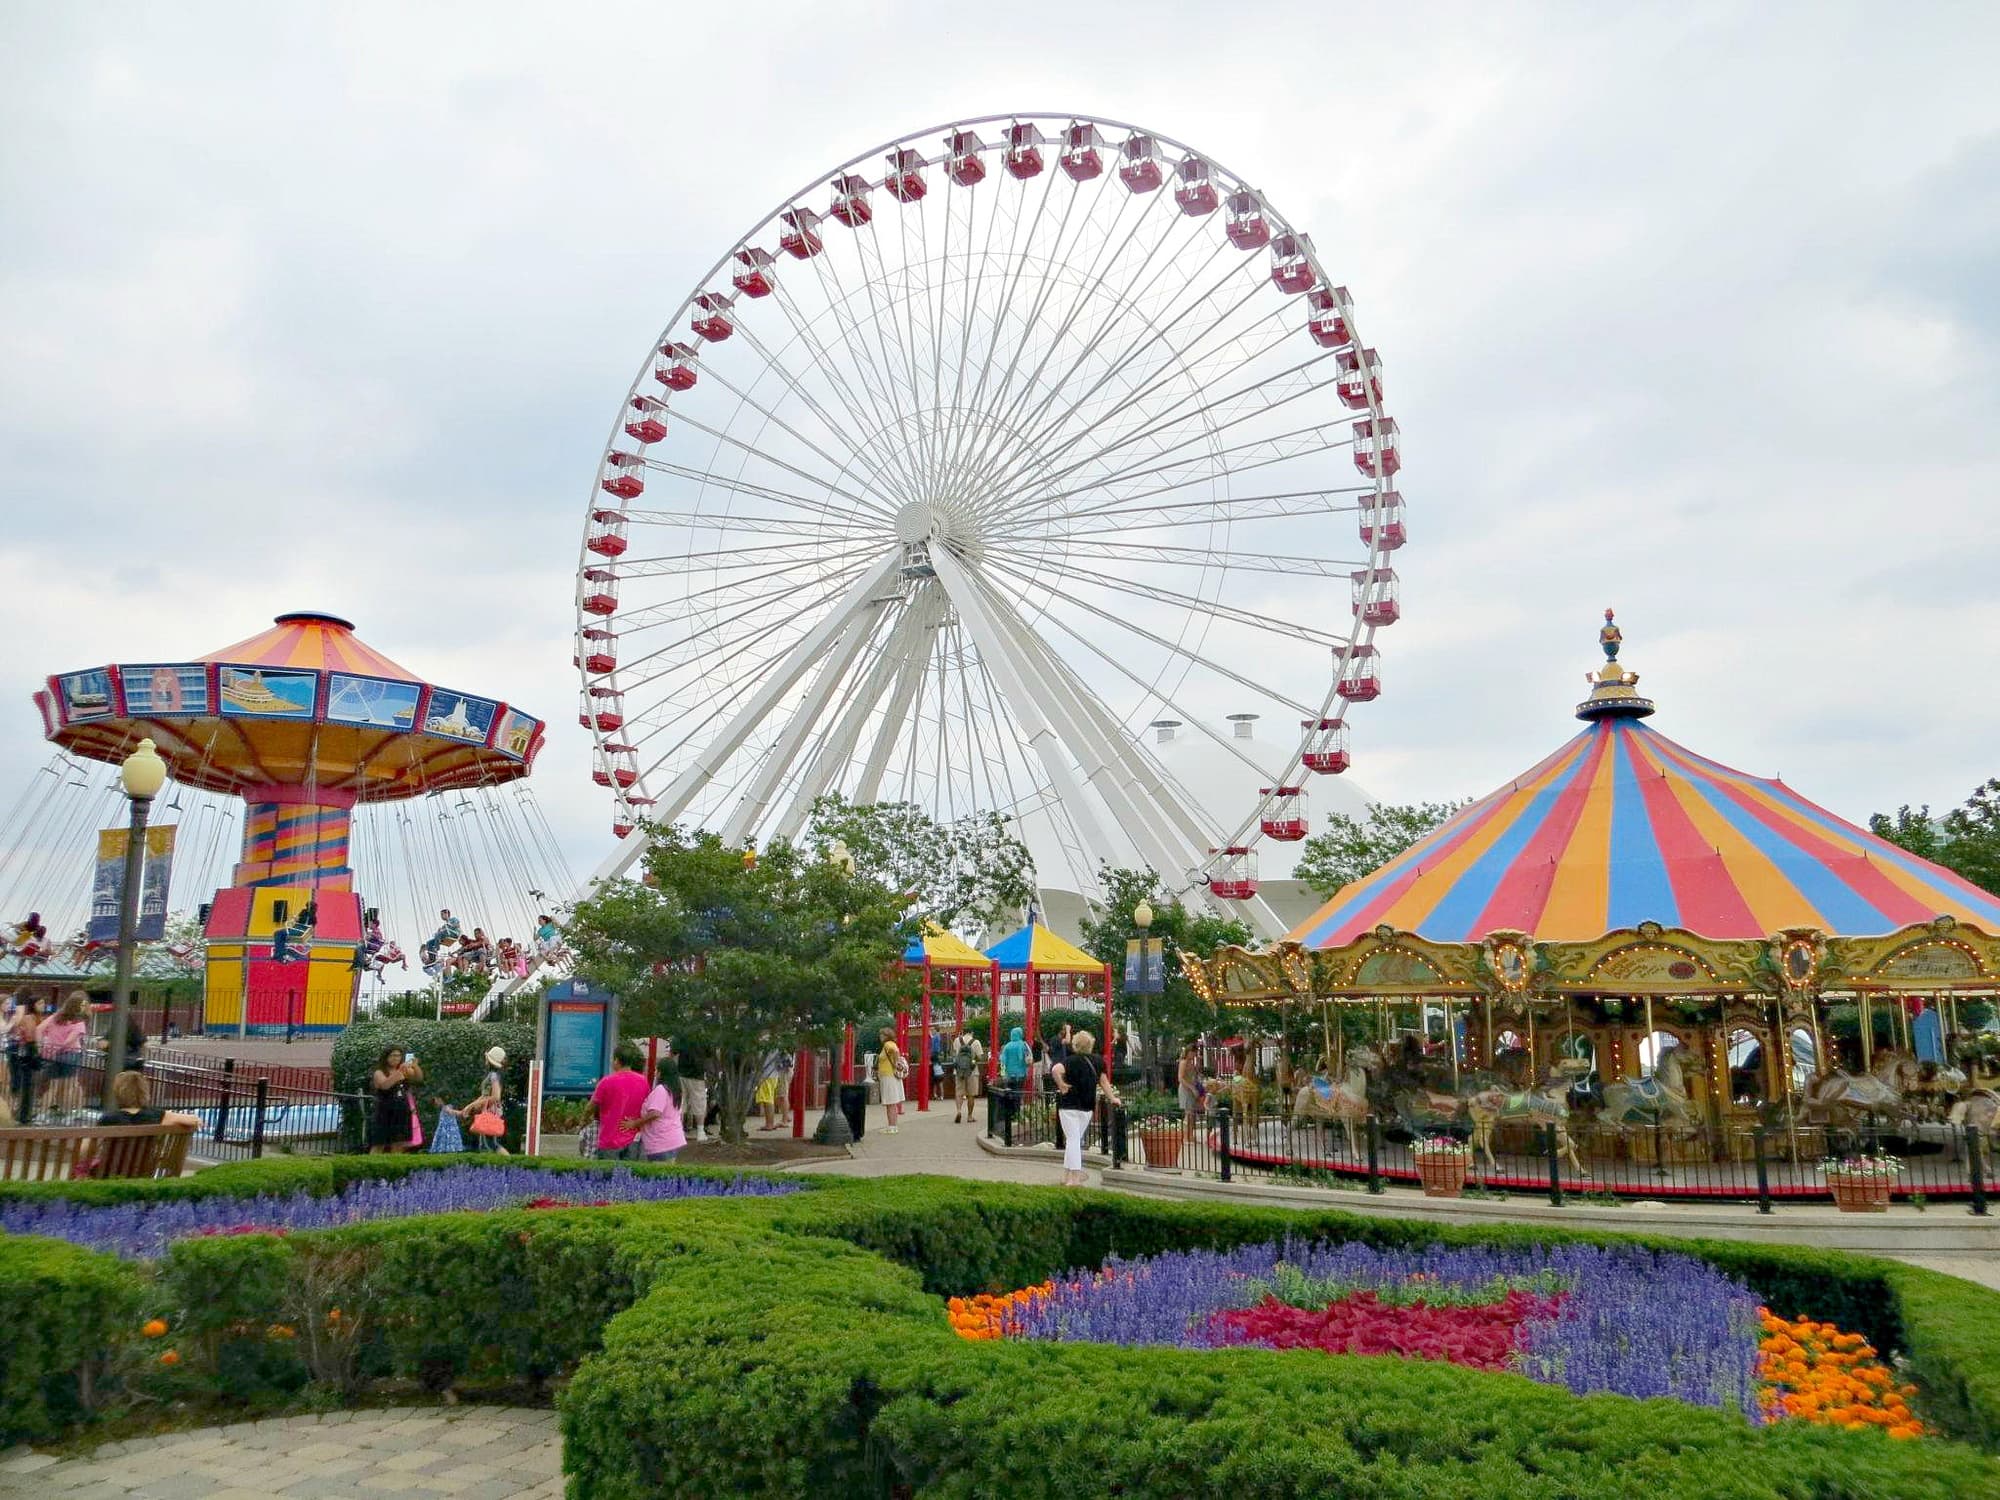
(143, 1230)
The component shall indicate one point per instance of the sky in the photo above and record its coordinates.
(1691, 311)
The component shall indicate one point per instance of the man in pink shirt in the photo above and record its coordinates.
(617, 1104)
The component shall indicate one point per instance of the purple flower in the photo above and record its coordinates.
(142, 1231)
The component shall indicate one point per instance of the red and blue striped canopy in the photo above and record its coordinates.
(1622, 826)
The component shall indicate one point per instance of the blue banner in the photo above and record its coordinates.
(107, 886)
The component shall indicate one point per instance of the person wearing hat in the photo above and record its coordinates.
(490, 1108)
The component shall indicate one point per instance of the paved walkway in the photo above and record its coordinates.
(492, 1452)
(932, 1143)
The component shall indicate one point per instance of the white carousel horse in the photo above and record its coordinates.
(1545, 1104)
(1645, 1102)
(1856, 1094)
(1321, 1098)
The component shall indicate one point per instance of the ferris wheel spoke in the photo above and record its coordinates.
(749, 490)
(1255, 453)
(728, 559)
(859, 502)
(902, 698)
(1292, 566)
(1222, 509)
(1172, 648)
(649, 618)
(1197, 606)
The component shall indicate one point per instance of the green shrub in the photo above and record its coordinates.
(452, 1055)
(64, 1311)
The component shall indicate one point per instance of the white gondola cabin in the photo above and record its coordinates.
(1196, 192)
(906, 175)
(607, 532)
(1082, 153)
(711, 319)
(964, 162)
(1360, 380)
(1233, 875)
(1377, 596)
(1247, 229)
(600, 591)
(1382, 521)
(621, 475)
(1326, 747)
(1361, 678)
(1139, 166)
(1377, 447)
(678, 369)
(1329, 316)
(753, 276)
(1024, 151)
(648, 421)
(1284, 815)
(1291, 264)
(801, 238)
(597, 650)
(850, 200)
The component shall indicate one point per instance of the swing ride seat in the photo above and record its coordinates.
(56, 1153)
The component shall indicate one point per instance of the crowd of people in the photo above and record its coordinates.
(46, 1043)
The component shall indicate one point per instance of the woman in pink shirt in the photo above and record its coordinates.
(61, 1044)
(661, 1135)
(617, 1103)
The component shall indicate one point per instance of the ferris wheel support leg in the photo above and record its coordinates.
(915, 664)
(988, 636)
(743, 819)
(833, 756)
(863, 596)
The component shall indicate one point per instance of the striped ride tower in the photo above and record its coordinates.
(293, 836)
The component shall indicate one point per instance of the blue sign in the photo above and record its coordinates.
(579, 1029)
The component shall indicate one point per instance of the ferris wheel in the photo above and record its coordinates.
(981, 452)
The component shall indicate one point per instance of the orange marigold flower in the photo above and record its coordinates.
(154, 1328)
(171, 1357)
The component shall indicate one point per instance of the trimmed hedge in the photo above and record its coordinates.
(787, 1345)
(453, 1057)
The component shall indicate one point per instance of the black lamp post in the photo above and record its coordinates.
(832, 1129)
(142, 775)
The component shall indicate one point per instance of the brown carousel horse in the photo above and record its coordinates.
(1841, 1097)
(1322, 1098)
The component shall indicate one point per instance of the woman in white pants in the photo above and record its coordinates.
(1079, 1081)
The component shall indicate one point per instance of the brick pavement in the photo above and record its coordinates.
(492, 1452)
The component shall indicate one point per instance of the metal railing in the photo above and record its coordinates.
(1768, 1165)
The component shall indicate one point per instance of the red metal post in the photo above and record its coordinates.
(923, 1064)
(1104, 1051)
(847, 1056)
(1032, 1000)
(802, 1071)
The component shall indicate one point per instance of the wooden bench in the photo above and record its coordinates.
(50, 1153)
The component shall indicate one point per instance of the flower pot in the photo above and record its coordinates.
(1857, 1194)
(1443, 1175)
(1163, 1146)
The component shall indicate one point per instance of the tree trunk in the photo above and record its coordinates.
(738, 1080)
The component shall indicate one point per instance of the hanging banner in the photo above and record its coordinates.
(108, 885)
(1145, 966)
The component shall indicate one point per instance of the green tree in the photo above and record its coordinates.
(1161, 1021)
(973, 870)
(742, 956)
(1349, 848)
(1965, 840)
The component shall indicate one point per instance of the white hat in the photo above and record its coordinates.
(497, 1056)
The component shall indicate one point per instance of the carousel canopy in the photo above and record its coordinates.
(945, 950)
(1035, 947)
(1622, 826)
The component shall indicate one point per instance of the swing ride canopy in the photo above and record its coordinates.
(1626, 864)
(305, 703)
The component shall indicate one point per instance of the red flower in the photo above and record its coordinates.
(1482, 1337)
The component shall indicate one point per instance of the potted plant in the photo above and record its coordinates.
(1441, 1162)
(1161, 1134)
(1861, 1183)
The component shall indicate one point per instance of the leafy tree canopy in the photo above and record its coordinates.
(1349, 848)
(740, 957)
(972, 871)
(1965, 840)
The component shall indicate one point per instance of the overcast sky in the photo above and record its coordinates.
(1689, 310)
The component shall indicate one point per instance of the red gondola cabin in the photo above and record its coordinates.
(621, 475)
(711, 319)
(850, 200)
(1233, 877)
(607, 534)
(1329, 315)
(964, 164)
(597, 651)
(676, 369)
(1377, 450)
(1360, 379)
(1291, 264)
(1376, 596)
(753, 276)
(1284, 815)
(648, 422)
(1361, 680)
(1082, 156)
(801, 238)
(1196, 193)
(1024, 151)
(906, 175)
(1382, 521)
(1326, 747)
(1139, 165)
(1247, 229)
(600, 591)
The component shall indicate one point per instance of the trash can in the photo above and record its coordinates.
(854, 1104)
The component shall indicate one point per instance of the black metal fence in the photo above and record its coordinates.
(241, 1116)
(1768, 1165)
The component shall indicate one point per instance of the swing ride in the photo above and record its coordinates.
(295, 731)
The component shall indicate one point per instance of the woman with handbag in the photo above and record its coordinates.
(891, 1068)
(486, 1116)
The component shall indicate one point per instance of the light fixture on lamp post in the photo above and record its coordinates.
(142, 775)
(1144, 979)
(833, 1129)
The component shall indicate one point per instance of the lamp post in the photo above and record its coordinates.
(1142, 919)
(142, 775)
(832, 1129)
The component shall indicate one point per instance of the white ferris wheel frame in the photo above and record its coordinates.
(1078, 741)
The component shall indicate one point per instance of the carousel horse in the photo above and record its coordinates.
(1546, 1103)
(1851, 1095)
(1978, 1113)
(1346, 1101)
(1928, 1089)
(1643, 1103)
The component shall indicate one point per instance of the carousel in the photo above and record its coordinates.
(1638, 955)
